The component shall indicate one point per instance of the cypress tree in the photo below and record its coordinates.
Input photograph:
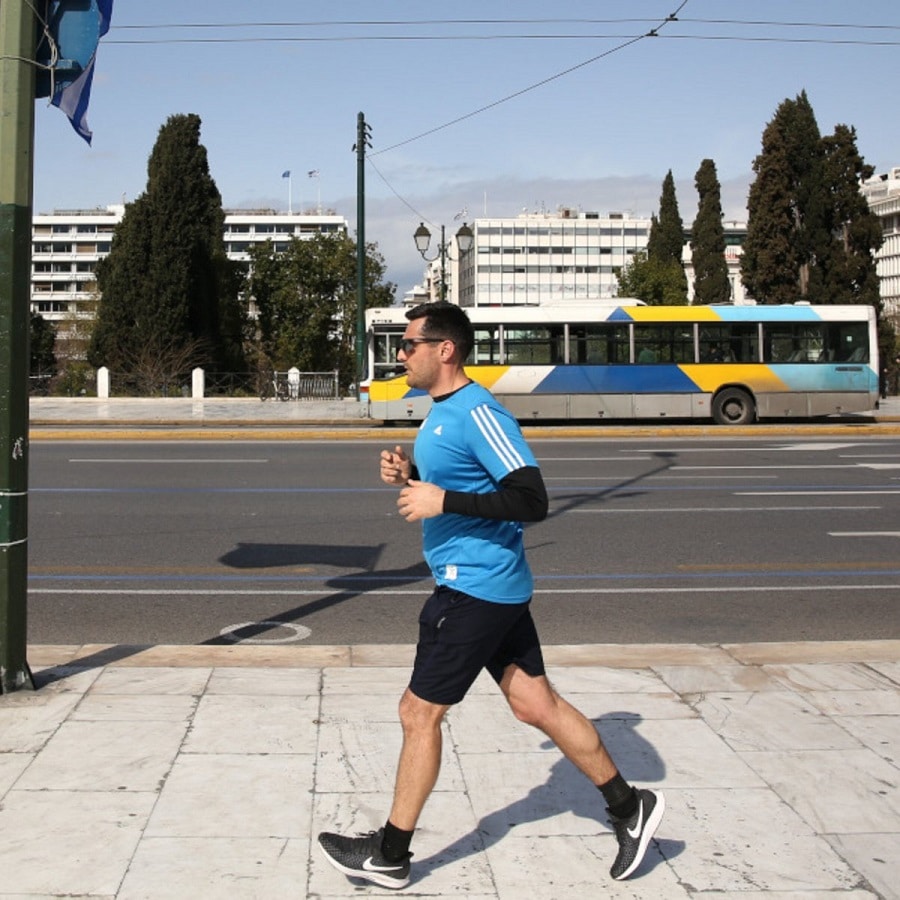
(856, 231)
(666, 239)
(788, 242)
(664, 246)
(168, 289)
(711, 284)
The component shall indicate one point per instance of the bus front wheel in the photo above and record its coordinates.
(733, 407)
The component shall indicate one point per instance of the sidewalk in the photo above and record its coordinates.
(242, 413)
(206, 772)
(185, 411)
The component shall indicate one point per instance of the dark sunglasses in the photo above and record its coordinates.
(407, 345)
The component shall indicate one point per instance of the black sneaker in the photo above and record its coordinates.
(361, 857)
(634, 834)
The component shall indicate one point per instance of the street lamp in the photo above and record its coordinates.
(464, 240)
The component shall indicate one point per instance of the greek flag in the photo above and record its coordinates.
(286, 174)
(73, 98)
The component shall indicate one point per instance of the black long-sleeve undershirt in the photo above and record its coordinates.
(522, 498)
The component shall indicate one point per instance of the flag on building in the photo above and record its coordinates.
(313, 173)
(286, 174)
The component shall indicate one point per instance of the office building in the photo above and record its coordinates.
(68, 244)
(548, 258)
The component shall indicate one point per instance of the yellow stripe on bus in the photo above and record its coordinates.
(710, 378)
(672, 314)
(397, 388)
(487, 376)
(381, 391)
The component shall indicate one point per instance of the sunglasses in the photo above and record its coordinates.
(407, 345)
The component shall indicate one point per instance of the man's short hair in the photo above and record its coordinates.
(445, 320)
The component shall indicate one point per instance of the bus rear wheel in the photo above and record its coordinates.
(733, 406)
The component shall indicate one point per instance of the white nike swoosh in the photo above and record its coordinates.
(640, 821)
(369, 866)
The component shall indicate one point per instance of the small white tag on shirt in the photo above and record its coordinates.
(450, 572)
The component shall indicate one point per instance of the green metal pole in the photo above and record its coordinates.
(17, 45)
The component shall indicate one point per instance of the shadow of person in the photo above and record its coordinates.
(361, 575)
(565, 791)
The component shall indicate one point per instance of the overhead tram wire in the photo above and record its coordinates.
(653, 32)
(368, 23)
(390, 187)
(349, 39)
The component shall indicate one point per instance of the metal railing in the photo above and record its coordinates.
(296, 385)
(288, 385)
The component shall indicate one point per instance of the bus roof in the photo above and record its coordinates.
(626, 310)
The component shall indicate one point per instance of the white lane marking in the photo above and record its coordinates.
(765, 448)
(895, 534)
(810, 445)
(879, 465)
(392, 592)
(810, 493)
(592, 458)
(181, 462)
(658, 477)
(728, 509)
(778, 468)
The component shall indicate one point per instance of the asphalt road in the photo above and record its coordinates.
(650, 539)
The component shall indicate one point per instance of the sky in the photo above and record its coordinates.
(477, 107)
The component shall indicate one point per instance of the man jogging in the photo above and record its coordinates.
(473, 483)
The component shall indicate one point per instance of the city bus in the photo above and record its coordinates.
(626, 360)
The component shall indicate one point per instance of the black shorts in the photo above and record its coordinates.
(460, 635)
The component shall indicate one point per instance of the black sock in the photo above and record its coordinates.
(620, 796)
(395, 842)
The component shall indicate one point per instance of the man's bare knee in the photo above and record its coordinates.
(531, 698)
(418, 715)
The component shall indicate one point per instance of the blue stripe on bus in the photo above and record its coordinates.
(724, 314)
(767, 314)
(668, 379)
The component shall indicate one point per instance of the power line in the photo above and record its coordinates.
(629, 42)
(367, 23)
(632, 40)
(449, 38)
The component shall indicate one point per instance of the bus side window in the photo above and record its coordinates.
(851, 342)
(526, 346)
(598, 344)
(386, 346)
(486, 349)
(667, 343)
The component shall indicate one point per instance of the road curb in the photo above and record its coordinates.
(639, 656)
(242, 431)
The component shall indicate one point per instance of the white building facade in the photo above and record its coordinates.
(68, 244)
(735, 235)
(883, 195)
(539, 259)
(546, 258)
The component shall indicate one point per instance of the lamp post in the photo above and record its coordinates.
(464, 240)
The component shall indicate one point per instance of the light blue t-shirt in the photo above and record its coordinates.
(469, 443)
